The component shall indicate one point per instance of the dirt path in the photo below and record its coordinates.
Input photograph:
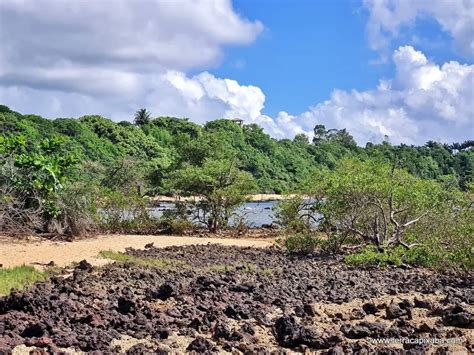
(40, 252)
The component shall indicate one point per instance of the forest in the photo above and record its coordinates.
(77, 177)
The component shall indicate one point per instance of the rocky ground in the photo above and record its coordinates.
(210, 298)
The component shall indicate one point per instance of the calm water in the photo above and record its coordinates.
(254, 214)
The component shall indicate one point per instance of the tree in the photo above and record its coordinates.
(301, 139)
(142, 117)
(374, 201)
(320, 133)
(31, 181)
(220, 187)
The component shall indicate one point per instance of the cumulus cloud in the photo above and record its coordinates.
(111, 58)
(388, 17)
(424, 101)
(106, 47)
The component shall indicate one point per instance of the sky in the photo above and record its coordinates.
(379, 68)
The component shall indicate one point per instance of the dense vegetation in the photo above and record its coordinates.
(162, 145)
(75, 176)
(400, 217)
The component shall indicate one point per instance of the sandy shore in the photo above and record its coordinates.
(250, 198)
(40, 252)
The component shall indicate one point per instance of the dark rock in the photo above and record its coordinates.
(337, 350)
(370, 308)
(244, 287)
(200, 345)
(393, 311)
(310, 310)
(458, 316)
(162, 333)
(363, 330)
(288, 333)
(248, 328)
(355, 331)
(84, 265)
(356, 314)
(165, 291)
(125, 305)
(33, 330)
(222, 331)
(140, 349)
(422, 303)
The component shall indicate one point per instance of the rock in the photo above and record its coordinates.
(422, 303)
(356, 314)
(459, 317)
(288, 333)
(140, 349)
(244, 287)
(248, 328)
(393, 311)
(162, 333)
(149, 245)
(84, 265)
(165, 291)
(369, 308)
(33, 330)
(200, 345)
(426, 328)
(337, 350)
(363, 330)
(125, 305)
(222, 331)
(311, 310)
(355, 331)
(42, 342)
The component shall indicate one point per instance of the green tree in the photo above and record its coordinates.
(32, 180)
(373, 201)
(142, 117)
(219, 186)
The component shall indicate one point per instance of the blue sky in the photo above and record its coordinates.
(396, 68)
(309, 47)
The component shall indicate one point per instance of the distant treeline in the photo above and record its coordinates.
(156, 147)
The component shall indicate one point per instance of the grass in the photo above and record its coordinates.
(19, 277)
(162, 263)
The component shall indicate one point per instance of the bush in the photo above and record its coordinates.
(296, 214)
(180, 226)
(300, 243)
(371, 256)
(417, 256)
(175, 220)
(122, 212)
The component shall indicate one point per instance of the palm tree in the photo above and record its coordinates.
(142, 117)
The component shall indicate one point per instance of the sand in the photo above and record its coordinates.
(41, 252)
(250, 198)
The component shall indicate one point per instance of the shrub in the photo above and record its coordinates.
(296, 214)
(371, 256)
(421, 255)
(180, 226)
(375, 202)
(300, 243)
(122, 212)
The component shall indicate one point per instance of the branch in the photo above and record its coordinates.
(408, 246)
(416, 219)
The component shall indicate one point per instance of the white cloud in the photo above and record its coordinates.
(424, 101)
(106, 47)
(388, 17)
(88, 58)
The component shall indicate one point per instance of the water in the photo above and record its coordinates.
(252, 214)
